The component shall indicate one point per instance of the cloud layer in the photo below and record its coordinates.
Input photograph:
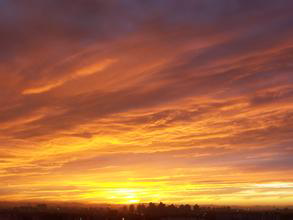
(159, 100)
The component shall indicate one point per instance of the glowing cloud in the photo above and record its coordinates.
(139, 101)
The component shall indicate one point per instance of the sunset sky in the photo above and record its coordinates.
(128, 101)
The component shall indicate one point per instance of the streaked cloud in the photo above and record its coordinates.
(85, 71)
(137, 101)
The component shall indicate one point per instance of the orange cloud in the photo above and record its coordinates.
(137, 102)
(94, 68)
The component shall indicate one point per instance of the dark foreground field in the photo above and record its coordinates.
(137, 212)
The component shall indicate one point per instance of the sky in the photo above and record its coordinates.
(129, 101)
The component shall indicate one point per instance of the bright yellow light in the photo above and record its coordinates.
(133, 201)
(125, 195)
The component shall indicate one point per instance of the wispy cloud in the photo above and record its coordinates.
(146, 100)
